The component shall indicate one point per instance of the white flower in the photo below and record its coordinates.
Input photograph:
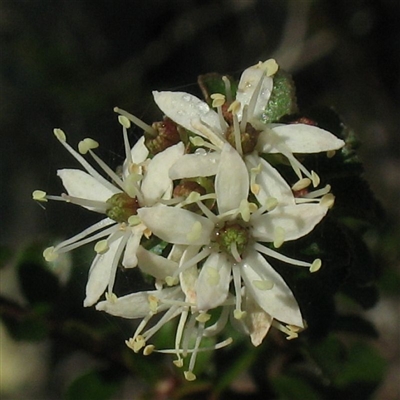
(230, 243)
(143, 182)
(252, 96)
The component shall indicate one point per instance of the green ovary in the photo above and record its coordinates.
(231, 234)
(122, 207)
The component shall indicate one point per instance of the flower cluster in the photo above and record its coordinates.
(201, 184)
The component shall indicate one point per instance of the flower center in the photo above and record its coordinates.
(248, 138)
(122, 207)
(232, 239)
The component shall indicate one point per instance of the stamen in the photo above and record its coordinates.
(39, 195)
(237, 283)
(200, 142)
(178, 336)
(111, 297)
(316, 265)
(272, 253)
(99, 205)
(254, 187)
(217, 346)
(270, 66)
(254, 97)
(101, 247)
(263, 284)
(194, 260)
(228, 89)
(189, 376)
(328, 200)
(244, 120)
(234, 108)
(50, 254)
(126, 125)
(270, 204)
(234, 252)
(208, 133)
(219, 325)
(60, 135)
(292, 334)
(210, 215)
(315, 179)
(318, 193)
(138, 122)
(87, 144)
(301, 184)
(148, 349)
(279, 237)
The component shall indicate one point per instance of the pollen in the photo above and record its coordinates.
(124, 121)
(263, 284)
(171, 280)
(271, 203)
(39, 195)
(197, 141)
(87, 144)
(59, 134)
(49, 254)
(153, 303)
(234, 107)
(195, 232)
(316, 265)
(134, 220)
(213, 276)
(148, 349)
(101, 247)
(111, 297)
(315, 179)
(270, 67)
(239, 314)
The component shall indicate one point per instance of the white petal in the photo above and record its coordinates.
(271, 184)
(212, 286)
(134, 305)
(156, 182)
(130, 258)
(188, 277)
(194, 165)
(296, 221)
(248, 83)
(99, 274)
(302, 138)
(183, 108)
(258, 322)
(80, 184)
(232, 180)
(279, 301)
(176, 225)
(157, 266)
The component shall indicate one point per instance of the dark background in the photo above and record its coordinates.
(67, 63)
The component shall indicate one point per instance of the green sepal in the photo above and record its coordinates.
(282, 100)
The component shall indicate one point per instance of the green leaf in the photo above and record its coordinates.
(293, 388)
(213, 83)
(355, 324)
(282, 100)
(5, 255)
(94, 385)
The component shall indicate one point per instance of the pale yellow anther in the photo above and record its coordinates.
(301, 184)
(138, 343)
(189, 376)
(270, 66)
(124, 121)
(134, 220)
(292, 335)
(192, 198)
(234, 108)
(239, 314)
(130, 343)
(148, 349)
(147, 233)
(59, 134)
(111, 297)
(171, 280)
(316, 265)
(197, 141)
(101, 246)
(153, 303)
(203, 317)
(178, 363)
(87, 144)
(195, 232)
(39, 195)
(218, 100)
(315, 179)
(294, 328)
(49, 254)
(279, 237)
(263, 284)
(330, 153)
(244, 209)
(255, 188)
(271, 203)
(213, 276)
(328, 200)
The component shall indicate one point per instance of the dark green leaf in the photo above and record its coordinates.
(355, 324)
(5, 255)
(94, 385)
(293, 388)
